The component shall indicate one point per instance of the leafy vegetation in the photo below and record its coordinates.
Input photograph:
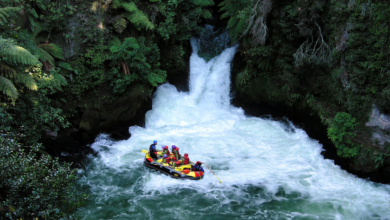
(55, 54)
(329, 55)
(341, 131)
(35, 186)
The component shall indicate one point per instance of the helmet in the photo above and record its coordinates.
(154, 142)
(178, 162)
(186, 155)
(198, 162)
(165, 156)
(162, 147)
(173, 147)
(166, 147)
(173, 158)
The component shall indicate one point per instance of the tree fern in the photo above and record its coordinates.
(5, 13)
(206, 14)
(46, 57)
(8, 88)
(120, 25)
(14, 54)
(129, 6)
(133, 14)
(53, 49)
(39, 27)
(27, 80)
(203, 3)
(140, 19)
(6, 70)
(60, 78)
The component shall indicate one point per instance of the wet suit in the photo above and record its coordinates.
(166, 151)
(153, 152)
(176, 153)
(197, 168)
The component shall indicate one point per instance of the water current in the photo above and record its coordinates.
(269, 169)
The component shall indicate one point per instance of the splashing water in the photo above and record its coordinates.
(269, 170)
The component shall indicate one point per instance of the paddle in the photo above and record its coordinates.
(212, 172)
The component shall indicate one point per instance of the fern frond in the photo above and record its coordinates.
(8, 88)
(116, 4)
(53, 49)
(39, 28)
(223, 3)
(60, 78)
(120, 25)
(225, 15)
(27, 80)
(206, 14)
(129, 6)
(232, 21)
(203, 3)
(5, 13)
(140, 19)
(15, 54)
(45, 56)
(6, 70)
(116, 42)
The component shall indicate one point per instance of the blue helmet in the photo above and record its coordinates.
(162, 147)
(165, 156)
(173, 147)
(154, 142)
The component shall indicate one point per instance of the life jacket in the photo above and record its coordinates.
(186, 160)
(167, 160)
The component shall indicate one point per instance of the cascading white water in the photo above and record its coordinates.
(269, 170)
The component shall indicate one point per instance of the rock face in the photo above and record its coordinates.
(102, 113)
(380, 124)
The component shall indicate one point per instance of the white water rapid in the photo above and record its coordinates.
(269, 170)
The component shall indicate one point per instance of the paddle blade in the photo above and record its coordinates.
(145, 151)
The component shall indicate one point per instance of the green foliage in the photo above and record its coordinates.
(15, 55)
(35, 186)
(7, 87)
(341, 131)
(135, 16)
(141, 60)
(17, 58)
(182, 17)
(53, 50)
(5, 14)
(237, 11)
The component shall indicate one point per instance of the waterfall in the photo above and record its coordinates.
(269, 170)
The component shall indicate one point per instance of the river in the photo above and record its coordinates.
(269, 169)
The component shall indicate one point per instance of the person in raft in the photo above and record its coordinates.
(166, 151)
(166, 159)
(186, 159)
(153, 151)
(198, 167)
(175, 151)
(175, 163)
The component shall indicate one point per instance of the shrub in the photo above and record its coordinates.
(341, 131)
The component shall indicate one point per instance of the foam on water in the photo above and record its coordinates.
(269, 169)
